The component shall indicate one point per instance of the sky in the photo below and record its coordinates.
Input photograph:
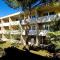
(6, 10)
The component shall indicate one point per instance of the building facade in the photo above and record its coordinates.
(18, 26)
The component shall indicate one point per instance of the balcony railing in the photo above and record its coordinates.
(6, 24)
(15, 22)
(0, 24)
(15, 32)
(46, 18)
(32, 20)
(43, 32)
(42, 19)
(38, 32)
(5, 31)
(32, 32)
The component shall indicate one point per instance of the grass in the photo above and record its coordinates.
(44, 53)
(40, 52)
(5, 44)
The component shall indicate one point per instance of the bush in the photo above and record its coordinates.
(54, 39)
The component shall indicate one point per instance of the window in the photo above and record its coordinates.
(51, 13)
(45, 27)
(33, 16)
(33, 27)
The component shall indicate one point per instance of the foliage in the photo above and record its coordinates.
(12, 3)
(54, 38)
(25, 4)
(55, 24)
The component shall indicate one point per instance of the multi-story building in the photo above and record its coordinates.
(20, 26)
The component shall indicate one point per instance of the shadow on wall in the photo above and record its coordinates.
(13, 53)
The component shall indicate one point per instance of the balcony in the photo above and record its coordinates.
(32, 32)
(6, 24)
(42, 19)
(15, 32)
(46, 18)
(32, 21)
(43, 32)
(6, 31)
(15, 22)
(23, 22)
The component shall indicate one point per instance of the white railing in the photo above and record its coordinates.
(5, 31)
(46, 18)
(43, 32)
(15, 23)
(32, 20)
(0, 24)
(42, 19)
(6, 24)
(15, 32)
(32, 32)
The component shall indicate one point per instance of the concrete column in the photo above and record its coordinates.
(37, 41)
(10, 28)
(2, 28)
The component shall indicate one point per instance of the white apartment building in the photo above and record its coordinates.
(19, 27)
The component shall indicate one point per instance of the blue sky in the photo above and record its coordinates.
(6, 10)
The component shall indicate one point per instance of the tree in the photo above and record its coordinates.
(56, 24)
(24, 4)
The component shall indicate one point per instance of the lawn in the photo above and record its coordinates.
(5, 44)
(40, 52)
(44, 53)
